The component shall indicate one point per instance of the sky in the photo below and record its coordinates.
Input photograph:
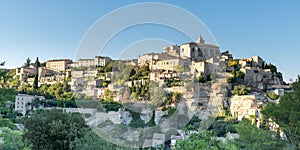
(54, 29)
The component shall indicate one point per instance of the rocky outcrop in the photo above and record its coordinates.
(146, 115)
(160, 116)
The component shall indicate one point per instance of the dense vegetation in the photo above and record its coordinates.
(287, 114)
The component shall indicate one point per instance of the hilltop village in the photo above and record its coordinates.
(146, 92)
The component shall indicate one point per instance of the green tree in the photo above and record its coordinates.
(92, 141)
(37, 62)
(36, 77)
(5, 122)
(252, 137)
(287, 114)
(176, 97)
(27, 62)
(35, 82)
(12, 140)
(179, 68)
(272, 67)
(203, 140)
(53, 129)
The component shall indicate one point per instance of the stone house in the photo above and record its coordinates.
(246, 106)
(199, 50)
(23, 102)
(254, 61)
(25, 72)
(98, 61)
(157, 141)
(59, 65)
(253, 76)
(171, 64)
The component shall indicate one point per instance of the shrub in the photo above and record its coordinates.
(240, 90)
(273, 96)
(233, 63)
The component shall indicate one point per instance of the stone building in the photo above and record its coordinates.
(25, 72)
(199, 50)
(23, 102)
(98, 61)
(59, 65)
(171, 64)
(254, 61)
(173, 50)
(152, 59)
(246, 106)
(255, 76)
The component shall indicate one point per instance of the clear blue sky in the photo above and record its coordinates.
(53, 29)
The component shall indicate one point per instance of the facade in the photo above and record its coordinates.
(86, 62)
(199, 50)
(173, 50)
(102, 61)
(149, 59)
(59, 65)
(255, 76)
(23, 102)
(25, 72)
(171, 64)
(254, 61)
(98, 61)
(245, 106)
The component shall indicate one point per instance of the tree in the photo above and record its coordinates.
(272, 67)
(252, 137)
(203, 140)
(37, 62)
(92, 141)
(36, 78)
(35, 82)
(176, 97)
(27, 62)
(12, 140)
(53, 129)
(108, 95)
(179, 68)
(4, 122)
(287, 114)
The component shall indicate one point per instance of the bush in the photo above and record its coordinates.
(233, 63)
(230, 79)
(201, 79)
(273, 96)
(171, 111)
(240, 90)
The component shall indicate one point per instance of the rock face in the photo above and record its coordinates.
(146, 115)
(125, 117)
(160, 116)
